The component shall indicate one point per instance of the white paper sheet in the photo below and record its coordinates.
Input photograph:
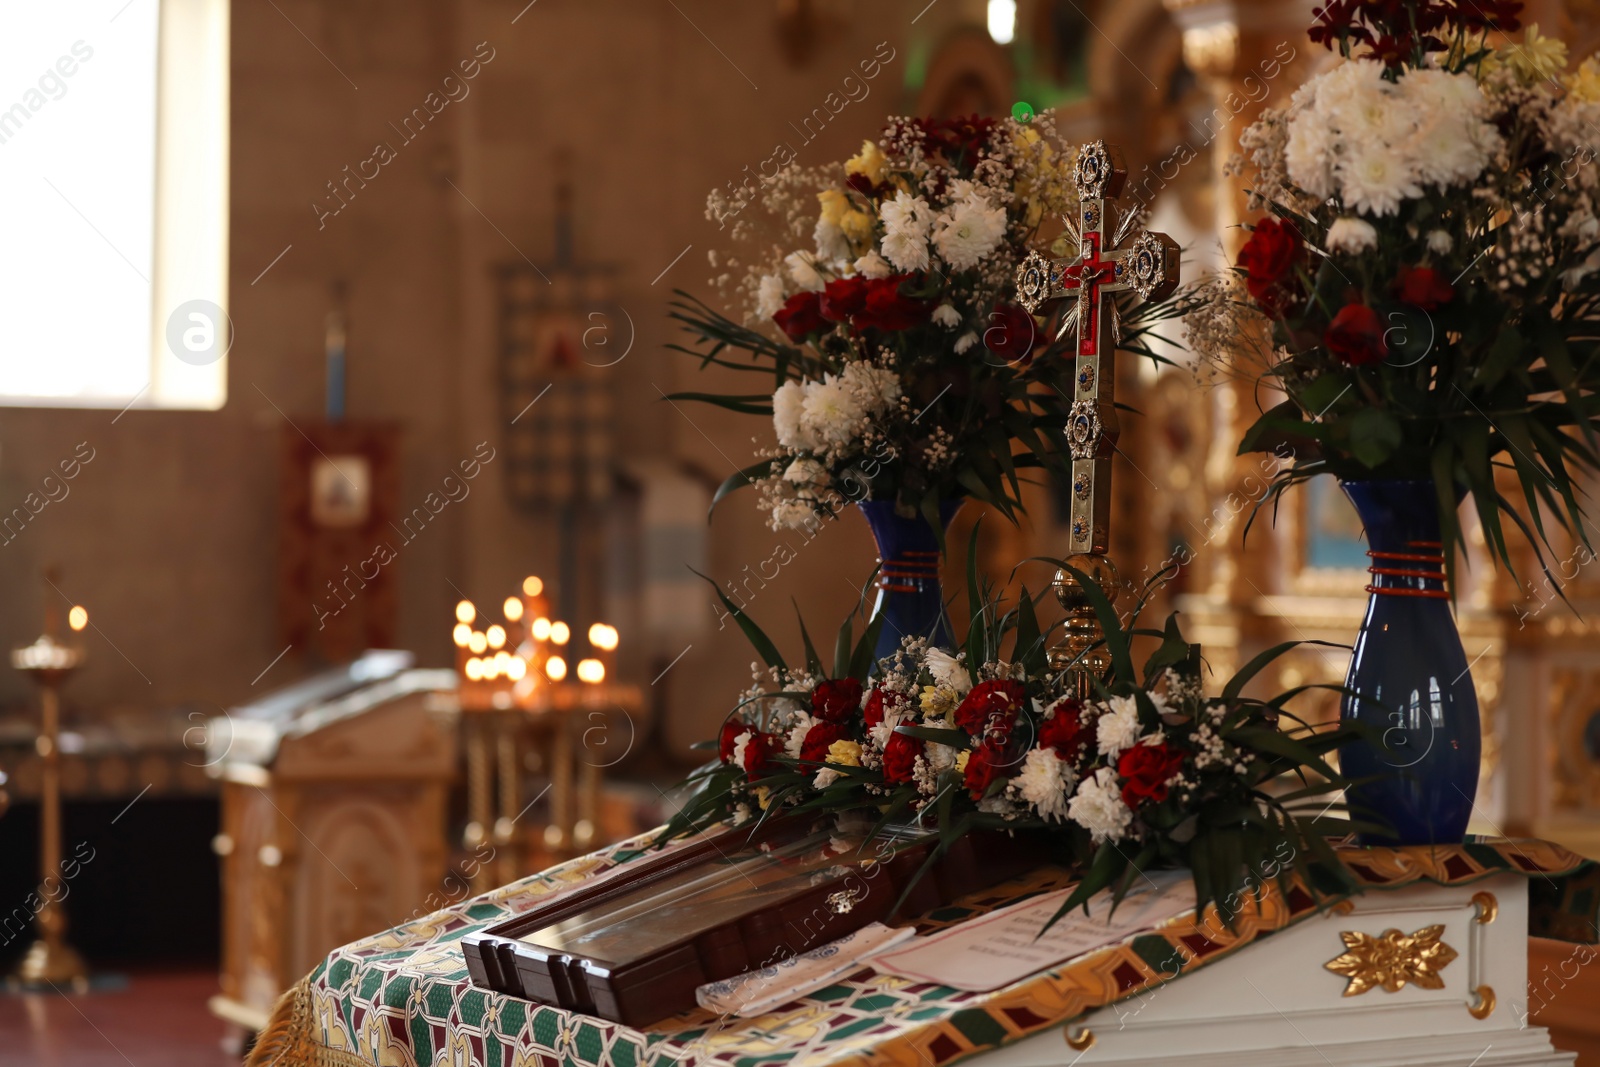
(1003, 946)
(757, 992)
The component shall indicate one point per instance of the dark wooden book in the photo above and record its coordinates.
(634, 947)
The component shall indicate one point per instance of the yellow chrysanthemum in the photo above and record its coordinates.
(1534, 60)
(835, 205)
(844, 753)
(857, 227)
(763, 796)
(1584, 83)
(937, 703)
(870, 162)
(961, 761)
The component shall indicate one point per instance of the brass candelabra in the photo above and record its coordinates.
(51, 960)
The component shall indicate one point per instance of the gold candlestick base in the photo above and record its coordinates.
(50, 960)
(1076, 654)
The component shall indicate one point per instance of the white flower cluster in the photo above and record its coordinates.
(833, 415)
(1374, 143)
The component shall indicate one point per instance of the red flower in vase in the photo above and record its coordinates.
(900, 757)
(1268, 260)
(991, 705)
(984, 765)
(1011, 334)
(728, 737)
(1423, 287)
(1355, 336)
(885, 308)
(800, 316)
(758, 752)
(819, 739)
(1146, 770)
(878, 702)
(1064, 731)
(843, 297)
(836, 700)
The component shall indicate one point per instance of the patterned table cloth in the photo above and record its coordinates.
(403, 998)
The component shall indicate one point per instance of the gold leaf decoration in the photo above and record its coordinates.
(1392, 959)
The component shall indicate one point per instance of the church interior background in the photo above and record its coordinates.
(494, 299)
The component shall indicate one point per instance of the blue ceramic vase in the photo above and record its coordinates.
(1409, 681)
(910, 598)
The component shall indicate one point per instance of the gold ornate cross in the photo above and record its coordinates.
(1148, 265)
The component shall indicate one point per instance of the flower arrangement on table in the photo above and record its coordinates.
(901, 367)
(1150, 772)
(1429, 272)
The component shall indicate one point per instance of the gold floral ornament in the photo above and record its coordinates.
(1392, 959)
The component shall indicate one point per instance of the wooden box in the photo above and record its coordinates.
(633, 947)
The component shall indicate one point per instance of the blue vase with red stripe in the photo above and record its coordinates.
(910, 597)
(1409, 681)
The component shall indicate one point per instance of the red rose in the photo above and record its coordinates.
(886, 309)
(758, 753)
(1355, 336)
(900, 757)
(800, 316)
(991, 705)
(983, 764)
(1268, 260)
(729, 735)
(1011, 334)
(879, 701)
(842, 298)
(1423, 287)
(837, 700)
(1064, 731)
(819, 739)
(1145, 770)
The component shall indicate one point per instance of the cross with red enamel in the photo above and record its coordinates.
(1146, 265)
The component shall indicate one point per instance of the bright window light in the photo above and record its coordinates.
(1002, 20)
(113, 154)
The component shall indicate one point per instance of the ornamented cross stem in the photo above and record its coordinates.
(1105, 266)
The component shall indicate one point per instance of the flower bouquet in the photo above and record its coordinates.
(1429, 272)
(1426, 297)
(901, 369)
(1151, 772)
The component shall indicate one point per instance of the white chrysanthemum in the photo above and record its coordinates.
(965, 341)
(968, 232)
(831, 414)
(830, 240)
(1440, 242)
(873, 265)
(803, 271)
(788, 405)
(877, 388)
(940, 757)
(1097, 807)
(805, 471)
(947, 316)
(796, 737)
(1044, 782)
(905, 231)
(1351, 235)
(1373, 179)
(948, 671)
(793, 515)
(826, 776)
(769, 296)
(892, 717)
(1118, 729)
